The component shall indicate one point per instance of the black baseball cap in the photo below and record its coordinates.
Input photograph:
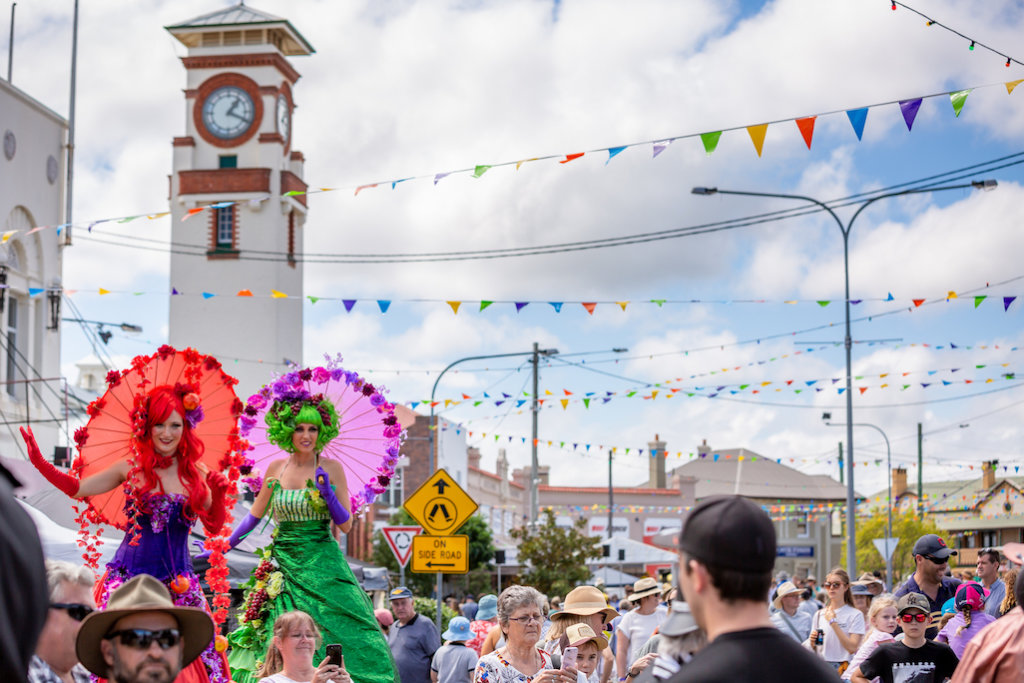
(931, 545)
(730, 532)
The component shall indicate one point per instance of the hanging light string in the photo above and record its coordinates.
(973, 43)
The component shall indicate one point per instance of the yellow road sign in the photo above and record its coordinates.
(445, 554)
(440, 505)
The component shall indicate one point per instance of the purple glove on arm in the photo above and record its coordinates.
(240, 532)
(323, 484)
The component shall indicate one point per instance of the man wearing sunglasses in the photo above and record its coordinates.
(931, 560)
(70, 593)
(142, 636)
(915, 658)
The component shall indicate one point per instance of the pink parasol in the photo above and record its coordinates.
(369, 436)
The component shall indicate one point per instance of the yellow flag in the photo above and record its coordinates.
(565, 403)
(623, 304)
(757, 136)
(104, 291)
(1013, 84)
(278, 295)
(455, 306)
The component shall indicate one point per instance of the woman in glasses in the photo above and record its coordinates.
(520, 617)
(837, 628)
(289, 657)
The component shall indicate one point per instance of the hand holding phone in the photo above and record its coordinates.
(334, 654)
(569, 657)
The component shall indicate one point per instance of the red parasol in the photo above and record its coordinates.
(369, 436)
(108, 436)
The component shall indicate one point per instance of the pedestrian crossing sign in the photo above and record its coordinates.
(440, 505)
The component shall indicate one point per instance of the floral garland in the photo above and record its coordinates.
(309, 385)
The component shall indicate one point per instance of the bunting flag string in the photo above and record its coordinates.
(973, 43)
(709, 141)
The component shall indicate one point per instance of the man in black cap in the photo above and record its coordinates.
(931, 558)
(726, 558)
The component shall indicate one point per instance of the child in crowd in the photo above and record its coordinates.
(588, 645)
(969, 619)
(454, 662)
(882, 623)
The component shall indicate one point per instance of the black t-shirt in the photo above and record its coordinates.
(896, 663)
(765, 655)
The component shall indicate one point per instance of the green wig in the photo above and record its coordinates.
(284, 416)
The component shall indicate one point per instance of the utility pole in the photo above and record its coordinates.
(10, 46)
(534, 407)
(920, 472)
(611, 499)
(71, 130)
(840, 462)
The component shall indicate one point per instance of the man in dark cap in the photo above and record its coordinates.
(726, 558)
(931, 559)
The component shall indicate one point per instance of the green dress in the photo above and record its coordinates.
(310, 575)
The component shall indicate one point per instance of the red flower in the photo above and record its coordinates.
(368, 389)
(211, 363)
(81, 435)
(113, 378)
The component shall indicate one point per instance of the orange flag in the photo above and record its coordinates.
(757, 136)
(806, 126)
(590, 306)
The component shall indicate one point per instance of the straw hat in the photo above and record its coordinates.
(577, 634)
(584, 601)
(644, 587)
(142, 593)
(788, 588)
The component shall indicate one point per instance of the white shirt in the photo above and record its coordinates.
(801, 622)
(639, 628)
(851, 620)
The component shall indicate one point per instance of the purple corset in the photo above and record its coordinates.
(162, 548)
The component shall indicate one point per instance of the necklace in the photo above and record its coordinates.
(162, 462)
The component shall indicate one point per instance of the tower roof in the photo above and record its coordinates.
(214, 29)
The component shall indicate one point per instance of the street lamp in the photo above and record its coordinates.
(888, 459)
(988, 184)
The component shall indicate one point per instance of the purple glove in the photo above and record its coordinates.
(240, 532)
(323, 484)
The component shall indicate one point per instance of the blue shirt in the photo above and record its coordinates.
(995, 598)
(413, 647)
(946, 591)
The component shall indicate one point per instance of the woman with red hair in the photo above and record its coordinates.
(167, 489)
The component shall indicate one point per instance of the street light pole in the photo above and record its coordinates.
(888, 460)
(851, 543)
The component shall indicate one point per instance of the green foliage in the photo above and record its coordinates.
(557, 556)
(428, 608)
(906, 526)
(481, 551)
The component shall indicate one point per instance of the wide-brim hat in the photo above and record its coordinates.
(142, 593)
(584, 601)
(487, 608)
(577, 634)
(458, 629)
(860, 589)
(644, 587)
(788, 588)
(681, 621)
(867, 579)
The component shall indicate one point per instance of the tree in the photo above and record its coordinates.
(556, 556)
(481, 551)
(906, 526)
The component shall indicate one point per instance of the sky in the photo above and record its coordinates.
(411, 89)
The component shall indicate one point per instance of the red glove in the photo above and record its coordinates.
(213, 519)
(64, 482)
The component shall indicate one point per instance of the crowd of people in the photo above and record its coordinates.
(307, 620)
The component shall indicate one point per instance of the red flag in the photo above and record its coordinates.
(806, 126)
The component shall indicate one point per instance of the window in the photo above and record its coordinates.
(225, 238)
(228, 161)
(291, 238)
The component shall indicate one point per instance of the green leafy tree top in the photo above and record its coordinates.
(556, 556)
(906, 526)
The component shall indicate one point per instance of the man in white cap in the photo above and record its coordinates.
(788, 618)
(142, 636)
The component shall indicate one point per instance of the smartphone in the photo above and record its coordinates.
(569, 657)
(334, 654)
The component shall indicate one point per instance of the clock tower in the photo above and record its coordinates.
(236, 284)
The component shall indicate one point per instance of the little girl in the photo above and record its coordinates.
(881, 624)
(970, 617)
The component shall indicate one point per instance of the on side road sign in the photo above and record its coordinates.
(445, 554)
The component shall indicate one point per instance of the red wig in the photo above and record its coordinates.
(161, 402)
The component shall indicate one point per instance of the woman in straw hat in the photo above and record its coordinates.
(790, 619)
(638, 625)
(583, 605)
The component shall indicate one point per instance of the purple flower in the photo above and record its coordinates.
(247, 423)
(391, 431)
(393, 451)
(194, 416)
(291, 378)
(259, 401)
(337, 374)
(352, 378)
(279, 387)
(376, 400)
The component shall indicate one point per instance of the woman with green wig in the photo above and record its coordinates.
(304, 568)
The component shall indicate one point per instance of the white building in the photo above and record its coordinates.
(237, 150)
(32, 182)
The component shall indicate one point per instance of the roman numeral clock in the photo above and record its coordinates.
(237, 156)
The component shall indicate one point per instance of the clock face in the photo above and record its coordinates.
(228, 112)
(284, 117)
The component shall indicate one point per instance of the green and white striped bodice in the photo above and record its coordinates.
(295, 505)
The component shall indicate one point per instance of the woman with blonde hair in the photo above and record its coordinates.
(289, 657)
(1010, 601)
(882, 622)
(838, 628)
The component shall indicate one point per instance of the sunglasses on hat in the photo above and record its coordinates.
(919, 618)
(141, 638)
(75, 610)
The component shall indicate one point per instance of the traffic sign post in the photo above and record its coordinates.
(399, 539)
(443, 554)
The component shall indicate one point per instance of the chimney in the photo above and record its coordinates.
(521, 476)
(703, 449)
(657, 463)
(899, 482)
(543, 475)
(988, 473)
(473, 456)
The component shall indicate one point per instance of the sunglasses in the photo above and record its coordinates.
(75, 610)
(833, 584)
(141, 638)
(919, 618)
(936, 560)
